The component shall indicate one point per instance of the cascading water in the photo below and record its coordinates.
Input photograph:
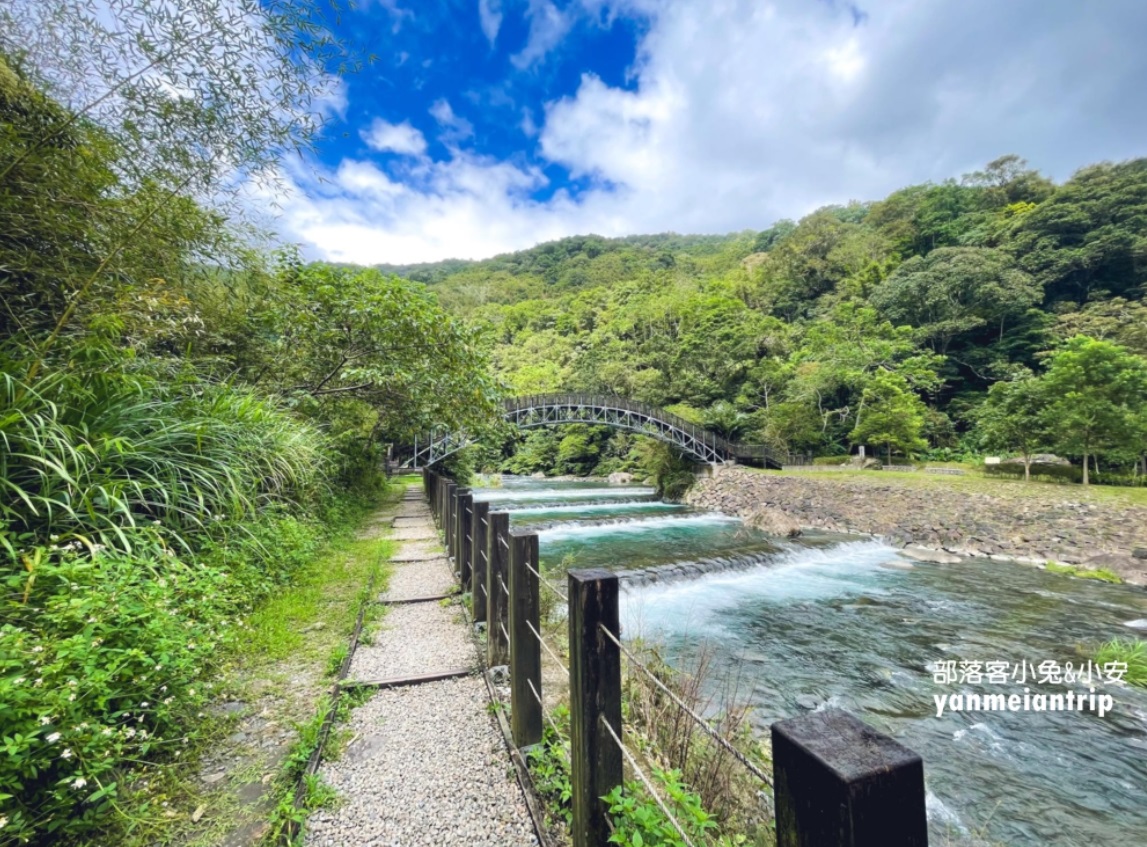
(833, 621)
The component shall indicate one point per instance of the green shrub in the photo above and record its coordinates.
(1101, 574)
(111, 460)
(638, 820)
(102, 663)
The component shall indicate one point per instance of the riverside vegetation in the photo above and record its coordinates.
(187, 414)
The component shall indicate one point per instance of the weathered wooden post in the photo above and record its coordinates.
(595, 696)
(497, 619)
(449, 528)
(463, 541)
(525, 651)
(840, 783)
(479, 562)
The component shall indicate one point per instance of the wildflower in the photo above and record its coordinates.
(144, 704)
(18, 680)
(191, 691)
(3, 821)
(45, 720)
(92, 619)
(79, 782)
(53, 738)
(38, 649)
(72, 683)
(67, 754)
(71, 698)
(107, 730)
(167, 701)
(163, 688)
(38, 682)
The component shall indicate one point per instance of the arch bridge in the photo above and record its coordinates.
(601, 410)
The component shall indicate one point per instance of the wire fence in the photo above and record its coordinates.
(697, 719)
(596, 650)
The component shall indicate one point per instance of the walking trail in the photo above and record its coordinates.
(427, 763)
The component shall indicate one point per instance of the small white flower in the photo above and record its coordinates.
(67, 754)
(71, 697)
(37, 649)
(18, 680)
(144, 704)
(167, 701)
(107, 730)
(45, 720)
(79, 782)
(191, 691)
(3, 821)
(53, 738)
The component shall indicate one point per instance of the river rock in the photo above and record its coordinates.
(773, 521)
(1139, 552)
(620, 478)
(936, 557)
(1138, 623)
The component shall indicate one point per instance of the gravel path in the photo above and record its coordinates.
(427, 767)
(419, 638)
(418, 552)
(427, 578)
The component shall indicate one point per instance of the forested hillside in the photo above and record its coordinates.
(883, 323)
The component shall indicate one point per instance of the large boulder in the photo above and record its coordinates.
(773, 521)
(620, 478)
(1038, 459)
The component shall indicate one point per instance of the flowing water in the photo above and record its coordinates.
(837, 622)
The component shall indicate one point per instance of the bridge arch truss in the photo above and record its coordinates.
(543, 410)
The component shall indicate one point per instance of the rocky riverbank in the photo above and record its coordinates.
(1026, 526)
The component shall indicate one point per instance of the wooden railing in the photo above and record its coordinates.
(835, 781)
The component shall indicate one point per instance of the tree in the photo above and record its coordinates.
(138, 106)
(1097, 394)
(954, 290)
(1014, 418)
(894, 416)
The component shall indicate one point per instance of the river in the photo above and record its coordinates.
(839, 622)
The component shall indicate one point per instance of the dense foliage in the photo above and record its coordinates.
(883, 323)
(184, 418)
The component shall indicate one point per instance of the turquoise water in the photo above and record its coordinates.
(848, 623)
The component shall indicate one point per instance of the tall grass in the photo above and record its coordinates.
(104, 460)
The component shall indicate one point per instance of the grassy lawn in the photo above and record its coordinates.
(975, 482)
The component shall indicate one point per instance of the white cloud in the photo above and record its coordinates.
(548, 26)
(454, 127)
(394, 138)
(490, 17)
(743, 111)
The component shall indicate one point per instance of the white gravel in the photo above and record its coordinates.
(416, 534)
(415, 639)
(419, 551)
(427, 767)
(419, 579)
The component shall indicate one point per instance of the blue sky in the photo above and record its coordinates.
(490, 125)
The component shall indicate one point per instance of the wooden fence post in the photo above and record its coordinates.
(839, 783)
(463, 543)
(497, 643)
(595, 696)
(525, 651)
(448, 528)
(479, 562)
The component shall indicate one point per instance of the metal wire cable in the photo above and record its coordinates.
(504, 632)
(505, 590)
(546, 713)
(704, 724)
(546, 582)
(502, 540)
(648, 784)
(546, 647)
